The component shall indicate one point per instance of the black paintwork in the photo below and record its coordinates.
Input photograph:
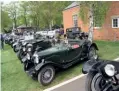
(61, 55)
(35, 45)
(97, 67)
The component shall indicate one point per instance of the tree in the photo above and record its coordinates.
(23, 10)
(12, 9)
(97, 11)
(36, 13)
(46, 14)
(5, 20)
(52, 12)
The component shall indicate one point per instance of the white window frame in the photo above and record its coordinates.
(117, 22)
(75, 19)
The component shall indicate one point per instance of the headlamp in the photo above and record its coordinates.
(24, 48)
(36, 60)
(109, 70)
(29, 49)
(28, 56)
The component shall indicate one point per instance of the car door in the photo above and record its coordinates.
(73, 54)
(62, 55)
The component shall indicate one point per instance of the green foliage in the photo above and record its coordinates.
(49, 12)
(5, 21)
(23, 13)
(100, 9)
(36, 13)
(84, 13)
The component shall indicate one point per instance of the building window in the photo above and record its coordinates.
(75, 20)
(115, 23)
(97, 23)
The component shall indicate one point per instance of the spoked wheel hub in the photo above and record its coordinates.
(46, 75)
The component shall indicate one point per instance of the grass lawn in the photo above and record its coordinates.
(15, 79)
(107, 49)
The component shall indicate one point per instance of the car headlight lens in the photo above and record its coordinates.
(24, 48)
(29, 49)
(36, 60)
(109, 69)
(29, 46)
(28, 56)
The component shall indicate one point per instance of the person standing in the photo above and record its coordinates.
(2, 41)
(65, 39)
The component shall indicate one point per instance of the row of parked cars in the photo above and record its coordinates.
(49, 33)
(42, 56)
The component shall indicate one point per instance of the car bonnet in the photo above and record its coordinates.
(51, 50)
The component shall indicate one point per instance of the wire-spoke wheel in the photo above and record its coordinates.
(46, 75)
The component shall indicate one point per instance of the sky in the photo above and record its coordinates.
(7, 1)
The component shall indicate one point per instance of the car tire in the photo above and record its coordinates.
(92, 53)
(19, 55)
(6, 42)
(89, 81)
(95, 82)
(44, 78)
(14, 48)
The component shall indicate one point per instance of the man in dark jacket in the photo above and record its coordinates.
(2, 41)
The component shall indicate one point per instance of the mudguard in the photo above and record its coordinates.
(91, 65)
(39, 66)
(44, 63)
(94, 44)
(15, 44)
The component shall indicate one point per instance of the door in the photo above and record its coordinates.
(73, 54)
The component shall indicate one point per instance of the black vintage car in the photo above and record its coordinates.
(21, 40)
(44, 63)
(74, 32)
(103, 75)
(9, 39)
(30, 46)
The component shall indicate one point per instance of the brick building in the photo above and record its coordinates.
(108, 31)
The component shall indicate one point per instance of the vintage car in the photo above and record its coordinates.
(30, 46)
(74, 32)
(61, 56)
(23, 40)
(103, 75)
(9, 39)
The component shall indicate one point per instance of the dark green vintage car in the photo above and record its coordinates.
(61, 56)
